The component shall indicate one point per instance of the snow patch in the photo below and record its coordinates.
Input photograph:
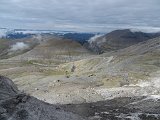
(143, 84)
(136, 116)
(154, 97)
(155, 82)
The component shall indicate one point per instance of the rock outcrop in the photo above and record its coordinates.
(15, 105)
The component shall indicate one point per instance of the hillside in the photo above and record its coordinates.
(54, 50)
(119, 39)
(10, 48)
(132, 63)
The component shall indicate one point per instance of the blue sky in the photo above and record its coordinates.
(80, 15)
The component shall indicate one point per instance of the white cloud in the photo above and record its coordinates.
(94, 38)
(19, 46)
(3, 33)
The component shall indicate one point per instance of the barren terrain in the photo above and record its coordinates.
(59, 71)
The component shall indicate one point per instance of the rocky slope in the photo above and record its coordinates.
(19, 106)
(15, 105)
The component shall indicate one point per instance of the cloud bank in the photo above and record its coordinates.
(80, 15)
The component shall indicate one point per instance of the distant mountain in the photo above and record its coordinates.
(13, 34)
(80, 37)
(118, 39)
(28, 33)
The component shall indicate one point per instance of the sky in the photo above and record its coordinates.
(80, 15)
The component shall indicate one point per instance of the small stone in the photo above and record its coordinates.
(36, 89)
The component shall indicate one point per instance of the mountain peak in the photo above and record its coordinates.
(120, 39)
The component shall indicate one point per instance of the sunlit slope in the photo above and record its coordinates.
(54, 49)
(126, 66)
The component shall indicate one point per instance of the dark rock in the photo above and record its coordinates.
(15, 105)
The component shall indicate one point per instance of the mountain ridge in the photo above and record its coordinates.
(118, 39)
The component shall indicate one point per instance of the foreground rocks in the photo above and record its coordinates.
(19, 106)
(15, 105)
(127, 108)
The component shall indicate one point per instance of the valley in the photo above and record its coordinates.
(63, 72)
